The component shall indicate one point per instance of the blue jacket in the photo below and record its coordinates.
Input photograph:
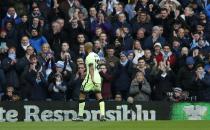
(38, 42)
(17, 20)
(207, 9)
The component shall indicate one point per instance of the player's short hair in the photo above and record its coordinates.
(88, 45)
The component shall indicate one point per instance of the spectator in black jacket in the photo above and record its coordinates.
(21, 48)
(36, 78)
(76, 82)
(201, 82)
(123, 75)
(185, 75)
(58, 88)
(9, 65)
(164, 81)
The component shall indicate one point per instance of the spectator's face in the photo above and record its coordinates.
(140, 76)
(24, 41)
(200, 70)
(9, 26)
(137, 45)
(130, 56)
(199, 28)
(119, 8)
(196, 37)
(30, 50)
(110, 52)
(161, 30)
(190, 66)
(81, 38)
(10, 91)
(140, 34)
(166, 49)
(184, 51)
(74, 23)
(155, 34)
(45, 48)
(157, 49)
(123, 58)
(81, 68)
(11, 11)
(176, 26)
(80, 61)
(118, 97)
(176, 44)
(61, 22)
(65, 47)
(3, 34)
(56, 27)
(58, 69)
(144, 1)
(100, 17)
(82, 48)
(12, 51)
(81, 16)
(34, 33)
(36, 11)
(98, 32)
(92, 12)
(187, 11)
(141, 63)
(103, 37)
(142, 17)
(121, 18)
(103, 7)
(103, 69)
(58, 78)
(24, 18)
(181, 32)
(33, 60)
(164, 14)
(201, 43)
(35, 21)
(147, 54)
(97, 45)
(202, 16)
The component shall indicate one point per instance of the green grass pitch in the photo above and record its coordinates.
(110, 125)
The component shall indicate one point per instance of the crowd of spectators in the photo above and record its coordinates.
(150, 50)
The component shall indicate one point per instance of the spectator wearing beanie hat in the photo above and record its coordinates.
(122, 75)
(185, 75)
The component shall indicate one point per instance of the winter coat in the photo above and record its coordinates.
(140, 91)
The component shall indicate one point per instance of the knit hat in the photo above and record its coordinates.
(190, 60)
(157, 44)
(177, 89)
(123, 53)
(59, 64)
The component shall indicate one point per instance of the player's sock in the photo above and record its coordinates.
(102, 107)
(81, 107)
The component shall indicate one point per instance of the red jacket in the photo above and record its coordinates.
(106, 85)
(171, 58)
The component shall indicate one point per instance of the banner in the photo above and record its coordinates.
(191, 111)
(66, 111)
